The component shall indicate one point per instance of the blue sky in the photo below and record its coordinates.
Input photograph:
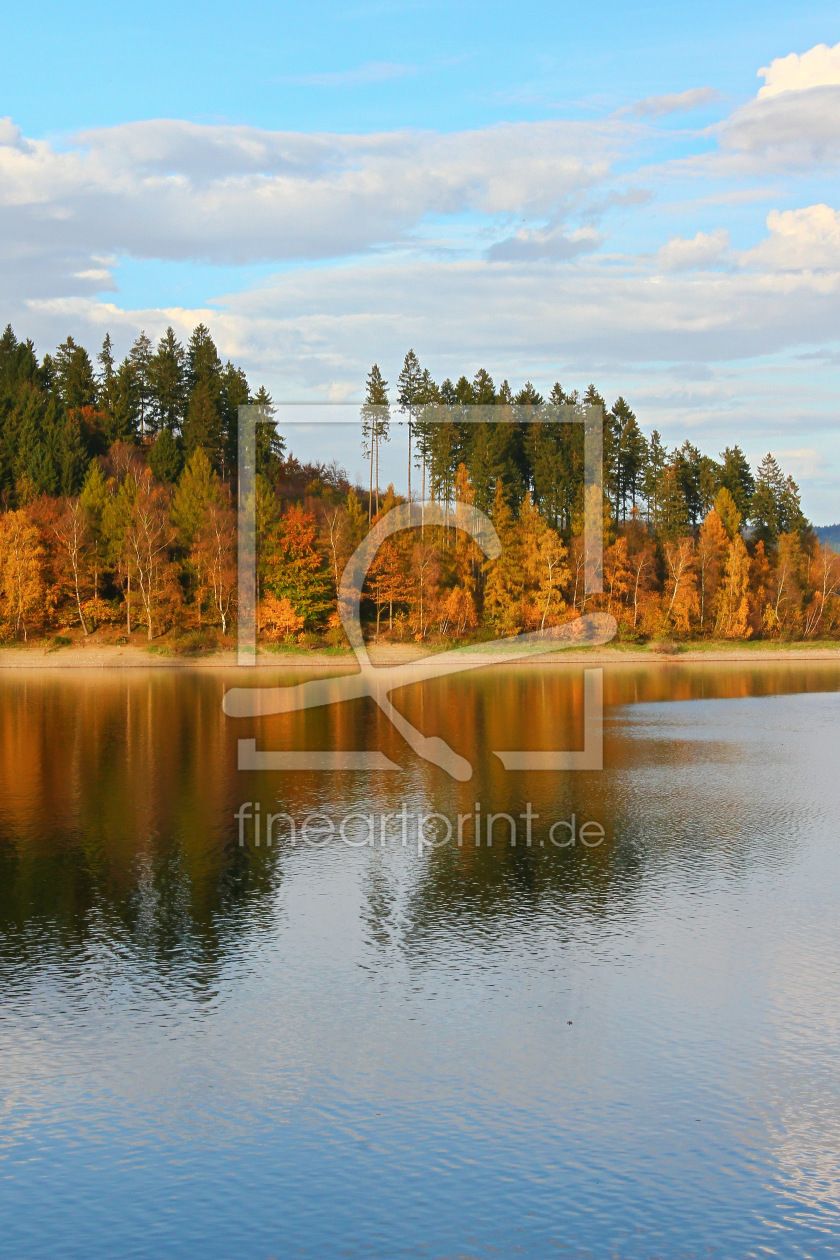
(582, 192)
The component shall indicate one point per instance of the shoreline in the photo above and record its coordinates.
(133, 656)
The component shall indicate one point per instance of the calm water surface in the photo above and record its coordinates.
(630, 1050)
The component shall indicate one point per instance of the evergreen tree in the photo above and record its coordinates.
(673, 509)
(687, 462)
(484, 391)
(736, 475)
(73, 459)
(106, 378)
(167, 384)
(271, 445)
(74, 377)
(234, 394)
(630, 455)
(409, 387)
(657, 459)
(767, 505)
(203, 426)
(203, 429)
(428, 400)
(203, 362)
(123, 421)
(94, 498)
(165, 459)
(140, 358)
(37, 467)
(376, 415)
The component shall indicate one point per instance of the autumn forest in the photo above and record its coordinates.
(118, 483)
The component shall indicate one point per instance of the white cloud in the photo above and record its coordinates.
(675, 102)
(312, 328)
(234, 195)
(794, 121)
(689, 255)
(531, 244)
(800, 240)
(798, 72)
(790, 131)
(803, 461)
(313, 333)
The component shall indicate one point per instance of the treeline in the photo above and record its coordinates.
(117, 486)
(694, 546)
(59, 414)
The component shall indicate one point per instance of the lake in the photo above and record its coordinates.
(622, 1046)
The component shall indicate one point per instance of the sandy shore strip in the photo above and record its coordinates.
(133, 656)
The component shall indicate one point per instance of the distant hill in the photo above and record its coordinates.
(829, 534)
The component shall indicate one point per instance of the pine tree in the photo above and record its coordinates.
(629, 453)
(123, 421)
(688, 465)
(73, 459)
(410, 386)
(94, 499)
(736, 476)
(106, 379)
(295, 568)
(768, 502)
(657, 459)
(198, 487)
(270, 444)
(167, 383)
(673, 511)
(203, 425)
(235, 393)
(632, 462)
(203, 428)
(376, 415)
(165, 458)
(140, 358)
(74, 379)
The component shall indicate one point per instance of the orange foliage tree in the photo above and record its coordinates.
(21, 576)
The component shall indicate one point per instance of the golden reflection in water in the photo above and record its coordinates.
(117, 770)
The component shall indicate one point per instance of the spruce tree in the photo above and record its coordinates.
(376, 415)
(74, 379)
(270, 444)
(167, 384)
(203, 425)
(410, 385)
(165, 459)
(140, 359)
(234, 394)
(737, 476)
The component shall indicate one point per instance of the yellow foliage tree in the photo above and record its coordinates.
(21, 577)
(732, 605)
(278, 618)
(712, 546)
(680, 604)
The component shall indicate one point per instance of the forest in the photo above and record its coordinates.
(118, 484)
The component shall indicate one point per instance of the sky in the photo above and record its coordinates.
(645, 196)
